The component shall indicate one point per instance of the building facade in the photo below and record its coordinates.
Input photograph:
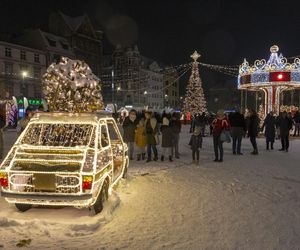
(84, 40)
(153, 92)
(130, 79)
(21, 69)
(171, 88)
(123, 79)
(53, 46)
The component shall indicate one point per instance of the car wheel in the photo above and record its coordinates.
(23, 207)
(101, 199)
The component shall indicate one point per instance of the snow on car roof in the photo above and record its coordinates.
(64, 117)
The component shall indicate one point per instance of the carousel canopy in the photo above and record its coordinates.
(277, 71)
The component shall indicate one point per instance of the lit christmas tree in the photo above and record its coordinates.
(71, 86)
(194, 101)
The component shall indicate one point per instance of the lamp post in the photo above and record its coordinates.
(112, 86)
(24, 75)
(145, 94)
(166, 100)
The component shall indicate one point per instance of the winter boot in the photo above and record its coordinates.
(267, 147)
(272, 145)
(148, 159)
(162, 158)
(143, 156)
(255, 152)
(170, 158)
(155, 158)
(138, 157)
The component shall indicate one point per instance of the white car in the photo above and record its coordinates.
(64, 159)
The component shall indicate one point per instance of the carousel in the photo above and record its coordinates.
(272, 77)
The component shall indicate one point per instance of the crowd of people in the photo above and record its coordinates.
(141, 131)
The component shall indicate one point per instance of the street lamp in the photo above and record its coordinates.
(24, 75)
(118, 88)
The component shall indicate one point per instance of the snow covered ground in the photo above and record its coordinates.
(246, 202)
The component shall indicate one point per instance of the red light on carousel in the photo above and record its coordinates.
(280, 77)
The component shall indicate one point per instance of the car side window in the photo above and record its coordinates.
(103, 136)
(113, 132)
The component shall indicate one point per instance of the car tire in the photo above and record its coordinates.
(23, 207)
(101, 199)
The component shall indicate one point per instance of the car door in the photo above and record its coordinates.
(117, 148)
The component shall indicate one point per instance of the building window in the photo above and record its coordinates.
(23, 55)
(64, 45)
(51, 42)
(8, 68)
(8, 52)
(36, 72)
(36, 57)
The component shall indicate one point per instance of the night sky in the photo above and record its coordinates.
(224, 32)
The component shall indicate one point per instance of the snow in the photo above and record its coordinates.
(246, 202)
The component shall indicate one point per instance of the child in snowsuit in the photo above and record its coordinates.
(140, 140)
(166, 141)
(196, 143)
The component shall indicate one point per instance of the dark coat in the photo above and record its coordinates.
(195, 142)
(176, 126)
(129, 128)
(270, 127)
(253, 126)
(285, 125)
(151, 129)
(238, 125)
(167, 135)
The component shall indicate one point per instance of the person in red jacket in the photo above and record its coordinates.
(219, 124)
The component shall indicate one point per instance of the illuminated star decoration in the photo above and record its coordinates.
(195, 56)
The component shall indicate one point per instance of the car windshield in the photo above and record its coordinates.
(59, 135)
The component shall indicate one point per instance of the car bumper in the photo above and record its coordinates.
(47, 197)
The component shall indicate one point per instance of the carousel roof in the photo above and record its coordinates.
(275, 71)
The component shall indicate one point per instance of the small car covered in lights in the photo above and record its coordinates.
(64, 159)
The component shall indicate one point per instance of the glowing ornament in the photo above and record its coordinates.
(67, 87)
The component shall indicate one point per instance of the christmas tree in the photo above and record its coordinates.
(71, 86)
(194, 101)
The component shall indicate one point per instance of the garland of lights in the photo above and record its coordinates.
(70, 85)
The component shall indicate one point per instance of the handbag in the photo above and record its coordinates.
(225, 136)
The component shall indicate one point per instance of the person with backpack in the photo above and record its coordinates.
(219, 124)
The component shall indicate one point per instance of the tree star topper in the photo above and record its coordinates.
(195, 55)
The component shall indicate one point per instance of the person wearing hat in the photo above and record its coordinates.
(151, 128)
(219, 124)
(166, 139)
(196, 144)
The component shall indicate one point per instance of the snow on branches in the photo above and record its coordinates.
(71, 86)
(194, 101)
